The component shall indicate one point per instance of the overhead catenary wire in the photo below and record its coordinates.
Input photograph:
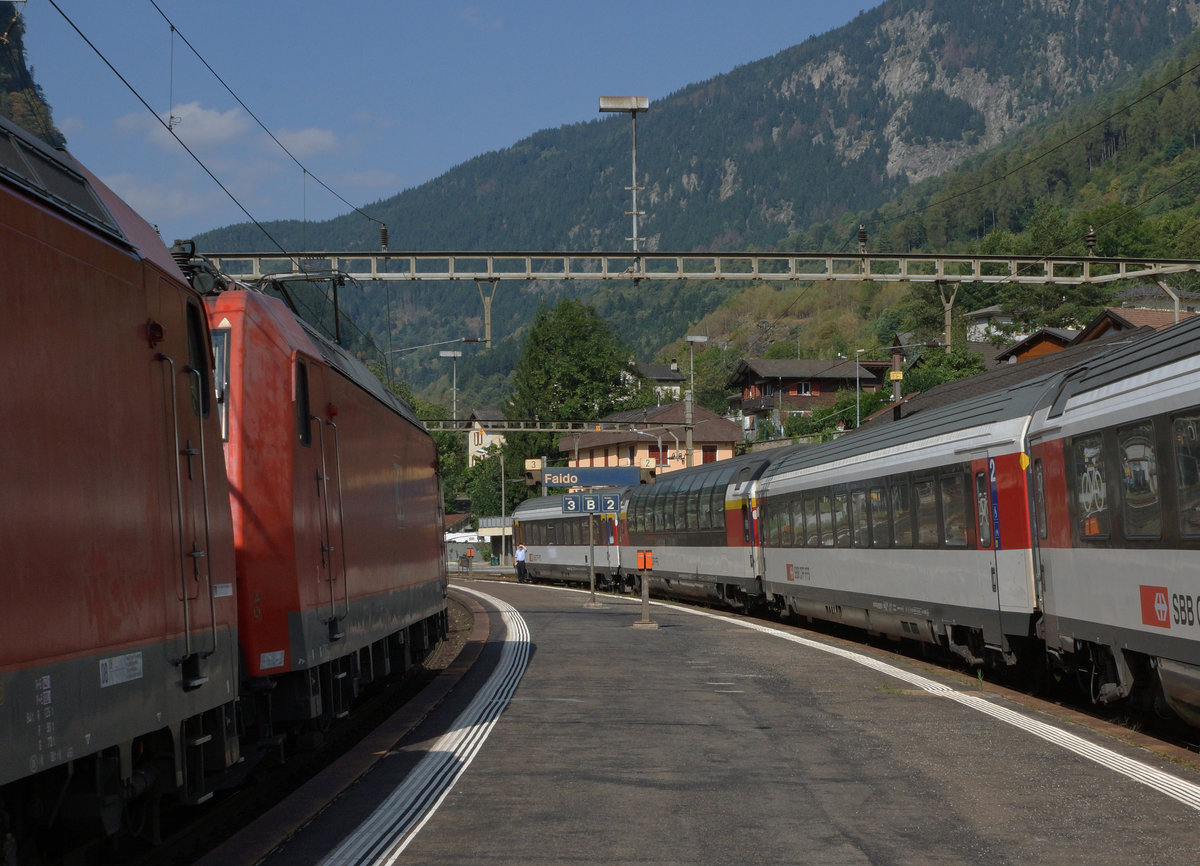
(294, 259)
(307, 172)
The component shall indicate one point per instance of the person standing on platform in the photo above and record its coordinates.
(519, 558)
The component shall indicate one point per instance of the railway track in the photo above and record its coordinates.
(188, 835)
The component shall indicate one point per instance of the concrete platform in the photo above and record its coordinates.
(717, 739)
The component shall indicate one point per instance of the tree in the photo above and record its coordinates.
(572, 367)
(824, 422)
(937, 367)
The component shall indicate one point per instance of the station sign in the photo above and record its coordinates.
(592, 476)
(591, 503)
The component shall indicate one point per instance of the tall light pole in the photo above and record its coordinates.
(690, 403)
(857, 392)
(455, 354)
(634, 105)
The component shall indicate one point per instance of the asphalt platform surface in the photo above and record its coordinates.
(715, 739)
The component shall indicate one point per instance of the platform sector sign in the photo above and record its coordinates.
(591, 503)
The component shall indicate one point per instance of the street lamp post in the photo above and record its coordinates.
(857, 392)
(454, 354)
(689, 406)
(634, 105)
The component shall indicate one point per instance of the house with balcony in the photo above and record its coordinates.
(774, 389)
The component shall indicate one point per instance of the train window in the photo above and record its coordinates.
(881, 526)
(812, 524)
(902, 512)
(704, 502)
(200, 377)
(796, 521)
(1140, 504)
(861, 536)
(768, 515)
(220, 345)
(786, 531)
(828, 526)
(678, 512)
(841, 513)
(1187, 465)
(959, 525)
(1091, 489)
(983, 509)
(303, 428)
(661, 501)
(693, 504)
(718, 506)
(926, 509)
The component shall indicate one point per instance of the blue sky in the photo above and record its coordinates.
(372, 97)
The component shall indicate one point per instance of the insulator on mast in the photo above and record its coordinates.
(383, 237)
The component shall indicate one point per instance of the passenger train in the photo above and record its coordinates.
(166, 621)
(1054, 526)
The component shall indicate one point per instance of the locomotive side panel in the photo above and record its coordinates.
(337, 506)
(119, 570)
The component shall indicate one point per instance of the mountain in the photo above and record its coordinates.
(841, 124)
(21, 100)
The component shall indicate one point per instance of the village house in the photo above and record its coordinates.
(658, 435)
(773, 389)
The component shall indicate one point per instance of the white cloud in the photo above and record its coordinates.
(68, 126)
(305, 143)
(201, 129)
(160, 202)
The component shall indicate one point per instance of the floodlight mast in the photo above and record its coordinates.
(633, 105)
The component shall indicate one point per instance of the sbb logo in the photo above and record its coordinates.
(1156, 611)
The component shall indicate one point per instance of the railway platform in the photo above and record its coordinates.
(569, 736)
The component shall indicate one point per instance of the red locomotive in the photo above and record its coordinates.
(153, 636)
(336, 510)
(118, 655)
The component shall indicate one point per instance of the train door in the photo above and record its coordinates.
(190, 396)
(319, 470)
(985, 485)
(745, 487)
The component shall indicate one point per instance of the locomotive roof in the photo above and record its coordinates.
(53, 176)
(354, 370)
(1128, 359)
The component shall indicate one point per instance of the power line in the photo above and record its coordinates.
(171, 131)
(216, 75)
(296, 262)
